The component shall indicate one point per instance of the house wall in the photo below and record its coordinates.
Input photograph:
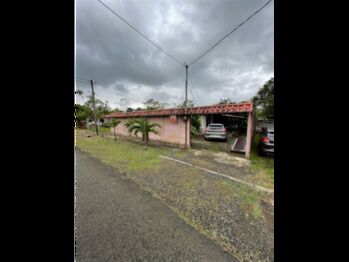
(173, 133)
(203, 123)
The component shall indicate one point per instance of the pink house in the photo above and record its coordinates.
(175, 122)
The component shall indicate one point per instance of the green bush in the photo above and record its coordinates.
(107, 125)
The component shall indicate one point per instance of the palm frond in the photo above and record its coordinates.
(115, 122)
(134, 127)
(154, 125)
(137, 131)
(152, 130)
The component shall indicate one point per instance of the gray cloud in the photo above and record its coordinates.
(108, 51)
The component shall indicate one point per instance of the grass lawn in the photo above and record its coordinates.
(263, 167)
(225, 211)
(100, 129)
(120, 153)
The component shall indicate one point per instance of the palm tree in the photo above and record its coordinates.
(142, 126)
(114, 123)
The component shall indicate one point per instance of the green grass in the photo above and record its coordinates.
(119, 153)
(100, 129)
(263, 167)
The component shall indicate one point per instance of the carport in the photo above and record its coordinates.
(236, 117)
(175, 122)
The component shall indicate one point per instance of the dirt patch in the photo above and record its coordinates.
(225, 158)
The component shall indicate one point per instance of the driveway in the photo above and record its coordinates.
(118, 221)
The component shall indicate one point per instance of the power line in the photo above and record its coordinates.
(194, 92)
(145, 37)
(120, 93)
(248, 18)
(82, 80)
(193, 96)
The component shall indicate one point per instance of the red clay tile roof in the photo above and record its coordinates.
(200, 110)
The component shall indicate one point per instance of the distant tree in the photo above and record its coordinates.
(139, 109)
(117, 110)
(264, 100)
(82, 113)
(152, 104)
(102, 108)
(225, 101)
(142, 126)
(129, 109)
(190, 103)
(114, 124)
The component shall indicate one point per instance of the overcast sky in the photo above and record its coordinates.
(127, 66)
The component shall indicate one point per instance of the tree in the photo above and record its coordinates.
(190, 103)
(264, 100)
(129, 109)
(225, 101)
(117, 110)
(102, 108)
(142, 126)
(114, 123)
(82, 113)
(194, 119)
(152, 104)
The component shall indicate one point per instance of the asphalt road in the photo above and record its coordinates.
(117, 221)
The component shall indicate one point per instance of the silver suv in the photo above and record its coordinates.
(215, 131)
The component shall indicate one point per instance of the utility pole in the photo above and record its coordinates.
(186, 106)
(186, 87)
(94, 106)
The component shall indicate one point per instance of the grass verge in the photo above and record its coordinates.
(262, 167)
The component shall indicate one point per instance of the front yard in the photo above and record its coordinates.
(234, 215)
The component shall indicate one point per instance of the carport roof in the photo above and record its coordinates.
(200, 110)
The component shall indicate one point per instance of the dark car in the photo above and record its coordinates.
(215, 131)
(266, 143)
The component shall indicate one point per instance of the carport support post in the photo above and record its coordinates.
(249, 136)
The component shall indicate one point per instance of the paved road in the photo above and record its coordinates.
(117, 221)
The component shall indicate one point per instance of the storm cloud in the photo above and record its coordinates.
(125, 65)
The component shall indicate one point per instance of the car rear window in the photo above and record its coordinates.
(271, 132)
(216, 125)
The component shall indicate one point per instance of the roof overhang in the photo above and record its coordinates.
(201, 110)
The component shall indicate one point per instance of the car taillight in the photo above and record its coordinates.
(265, 140)
(206, 129)
(225, 130)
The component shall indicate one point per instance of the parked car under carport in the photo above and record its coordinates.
(266, 143)
(215, 131)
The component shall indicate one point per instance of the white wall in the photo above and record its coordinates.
(203, 123)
